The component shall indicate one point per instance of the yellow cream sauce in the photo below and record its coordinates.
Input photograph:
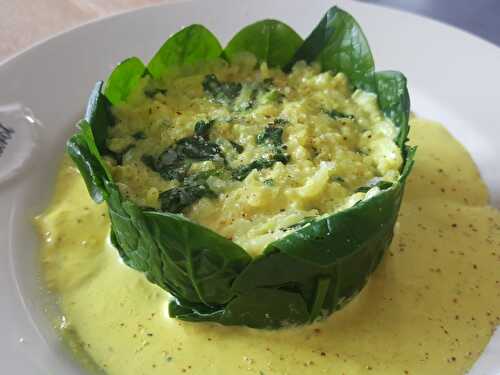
(430, 308)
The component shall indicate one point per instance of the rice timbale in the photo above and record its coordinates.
(249, 151)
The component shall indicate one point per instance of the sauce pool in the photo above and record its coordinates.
(430, 308)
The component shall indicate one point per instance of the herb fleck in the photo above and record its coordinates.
(139, 135)
(336, 115)
(221, 92)
(193, 188)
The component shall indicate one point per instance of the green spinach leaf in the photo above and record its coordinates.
(98, 116)
(91, 170)
(201, 263)
(86, 146)
(270, 41)
(266, 306)
(191, 45)
(394, 101)
(124, 79)
(338, 43)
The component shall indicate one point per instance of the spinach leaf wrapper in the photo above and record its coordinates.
(305, 275)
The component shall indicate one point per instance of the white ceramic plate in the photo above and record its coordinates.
(453, 78)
